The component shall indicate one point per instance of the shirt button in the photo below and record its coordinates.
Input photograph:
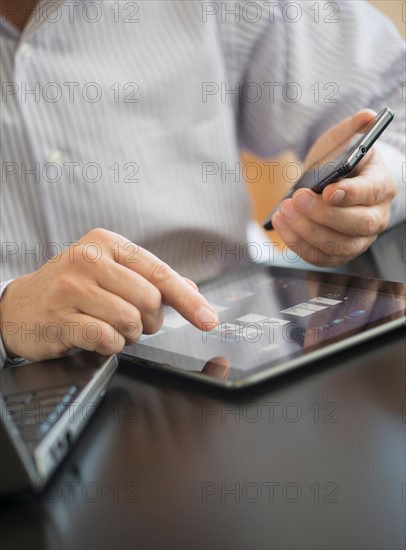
(55, 157)
(25, 50)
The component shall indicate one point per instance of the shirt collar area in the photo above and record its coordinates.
(8, 29)
(44, 12)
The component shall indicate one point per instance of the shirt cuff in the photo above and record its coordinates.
(395, 162)
(4, 360)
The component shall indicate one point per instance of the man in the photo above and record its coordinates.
(111, 113)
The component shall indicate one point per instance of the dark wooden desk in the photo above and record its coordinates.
(312, 460)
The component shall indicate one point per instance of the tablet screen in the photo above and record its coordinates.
(270, 316)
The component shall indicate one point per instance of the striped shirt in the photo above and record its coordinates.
(131, 116)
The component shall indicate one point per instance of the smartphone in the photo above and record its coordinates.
(341, 161)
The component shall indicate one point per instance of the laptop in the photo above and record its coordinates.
(272, 320)
(43, 408)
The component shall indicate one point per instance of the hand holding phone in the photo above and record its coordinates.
(341, 161)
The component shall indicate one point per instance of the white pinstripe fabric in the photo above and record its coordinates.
(170, 52)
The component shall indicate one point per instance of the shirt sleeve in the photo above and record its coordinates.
(312, 65)
(395, 161)
(4, 360)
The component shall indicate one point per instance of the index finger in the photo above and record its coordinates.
(175, 290)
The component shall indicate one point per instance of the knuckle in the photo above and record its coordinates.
(351, 248)
(333, 215)
(384, 222)
(376, 191)
(160, 273)
(79, 256)
(98, 234)
(347, 249)
(81, 260)
(367, 224)
(124, 313)
(59, 348)
(107, 344)
(154, 323)
(105, 269)
(132, 329)
(98, 346)
(89, 257)
(132, 332)
(132, 338)
(392, 189)
(364, 244)
(190, 302)
(152, 300)
(353, 193)
(65, 284)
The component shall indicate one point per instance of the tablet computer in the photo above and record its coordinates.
(272, 320)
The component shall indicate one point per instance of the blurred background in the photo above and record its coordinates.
(263, 194)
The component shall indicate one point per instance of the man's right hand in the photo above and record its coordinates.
(100, 294)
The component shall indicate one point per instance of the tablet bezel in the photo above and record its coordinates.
(242, 378)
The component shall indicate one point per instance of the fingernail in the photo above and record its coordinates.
(222, 372)
(337, 197)
(304, 201)
(289, 211)
(207, 318)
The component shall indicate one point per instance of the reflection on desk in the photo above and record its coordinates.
(315, 459)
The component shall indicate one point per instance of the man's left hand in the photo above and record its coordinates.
(343, 222)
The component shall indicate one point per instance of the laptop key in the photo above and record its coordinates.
(29, 433)
(56, 393)
(18, 398)
(35, 418)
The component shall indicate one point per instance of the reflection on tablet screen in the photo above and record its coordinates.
(269, 316)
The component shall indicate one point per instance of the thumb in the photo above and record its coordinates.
(338, 136)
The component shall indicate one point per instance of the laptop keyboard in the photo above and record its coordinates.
(35, 413)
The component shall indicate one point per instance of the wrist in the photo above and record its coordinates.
(7, 326)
